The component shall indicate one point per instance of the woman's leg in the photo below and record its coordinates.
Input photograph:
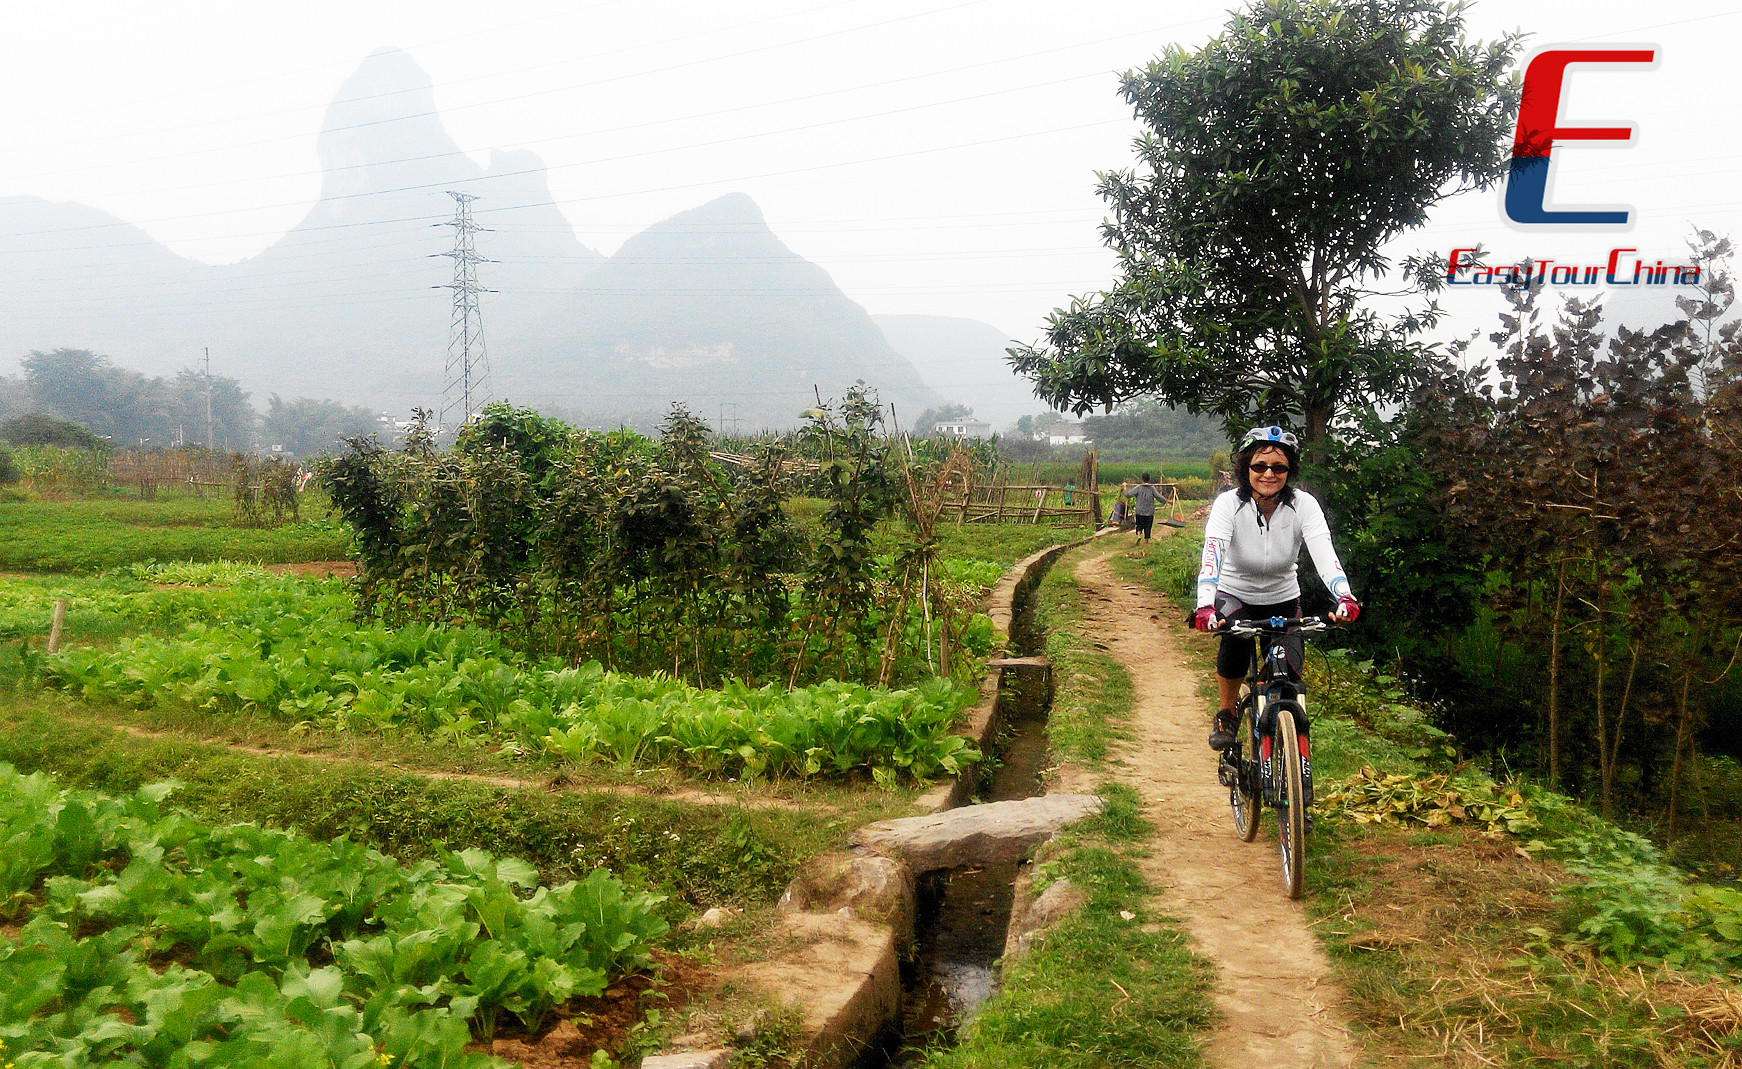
(1228, 690)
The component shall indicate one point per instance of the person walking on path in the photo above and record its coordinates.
(1143, 505)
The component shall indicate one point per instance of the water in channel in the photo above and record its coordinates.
(963, 914)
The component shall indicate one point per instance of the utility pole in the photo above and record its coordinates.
(467, 380)
(208, 367)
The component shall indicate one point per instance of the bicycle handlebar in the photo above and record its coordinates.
(1275, 625)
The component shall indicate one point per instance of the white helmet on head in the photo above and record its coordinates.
(1269, 436)
(1257, 438)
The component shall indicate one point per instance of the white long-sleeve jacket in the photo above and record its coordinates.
(1255, 560)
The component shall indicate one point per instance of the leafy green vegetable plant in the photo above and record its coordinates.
(152, 939)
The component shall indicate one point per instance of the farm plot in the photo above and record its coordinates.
(290, 649)
(217, 640)
(96, 534)
(149, 938)
(699, 690)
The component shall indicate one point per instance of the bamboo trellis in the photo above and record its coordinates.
(1006, 503)
(1037, 503)
(147, 472)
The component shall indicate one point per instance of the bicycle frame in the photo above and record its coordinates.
(1277, 770)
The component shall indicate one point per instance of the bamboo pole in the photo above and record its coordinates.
(54, 629)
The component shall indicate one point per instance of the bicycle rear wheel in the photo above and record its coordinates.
(1245, 798)
(1290, 798)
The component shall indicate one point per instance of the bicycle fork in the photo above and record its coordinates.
(1265, 748)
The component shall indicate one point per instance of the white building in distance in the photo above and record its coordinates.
(1065, 432)
(964, 428)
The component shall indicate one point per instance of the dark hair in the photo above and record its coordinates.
(1146, 476)
(1243, 473)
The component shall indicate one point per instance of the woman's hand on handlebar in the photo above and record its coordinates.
(1346, 612)
(1206, 618)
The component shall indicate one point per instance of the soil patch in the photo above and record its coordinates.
(1466, 889)
(316, 569)
(1279, 1006)
(604, 1023)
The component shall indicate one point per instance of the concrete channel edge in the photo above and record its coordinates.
(853, 913)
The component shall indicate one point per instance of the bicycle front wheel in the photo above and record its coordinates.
(1245, 798)
(1290, 799)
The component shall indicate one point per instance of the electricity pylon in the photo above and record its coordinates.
(467, 385)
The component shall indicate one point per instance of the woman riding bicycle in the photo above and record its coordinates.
(1251, 544)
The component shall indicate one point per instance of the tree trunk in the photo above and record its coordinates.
(1675, 765)
(1612, 759)
(1554, 680)
(1600, 654)
(1315, 435)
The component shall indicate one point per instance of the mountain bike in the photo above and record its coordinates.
(1270, 763)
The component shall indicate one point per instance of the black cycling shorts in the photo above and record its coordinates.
(1235, 655)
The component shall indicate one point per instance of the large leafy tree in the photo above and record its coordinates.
(1278, 161)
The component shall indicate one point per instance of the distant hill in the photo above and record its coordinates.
(74, 276)
(710, 308)
(964, 360)
(351, 296)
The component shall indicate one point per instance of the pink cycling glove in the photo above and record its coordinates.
(1346, 607)
(1205, 618)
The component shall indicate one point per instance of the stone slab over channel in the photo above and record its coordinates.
(996, 832)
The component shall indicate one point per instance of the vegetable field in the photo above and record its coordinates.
(152, 939)
(769, 695)
(290, 650)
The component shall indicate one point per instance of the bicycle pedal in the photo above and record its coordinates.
(1226, 774)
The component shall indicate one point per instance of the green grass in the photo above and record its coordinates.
(1093, 694)
(1005, 544)
(1102, 988)
(1057, 473)
(1168, 564)
(97, 534)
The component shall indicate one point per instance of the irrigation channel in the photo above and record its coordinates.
(962, 915)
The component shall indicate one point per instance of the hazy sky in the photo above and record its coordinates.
(935, 157)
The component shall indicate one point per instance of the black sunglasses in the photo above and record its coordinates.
(1261, 468)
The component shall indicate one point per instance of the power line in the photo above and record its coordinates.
(523, 172)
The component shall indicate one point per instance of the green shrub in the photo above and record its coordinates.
(54, 469)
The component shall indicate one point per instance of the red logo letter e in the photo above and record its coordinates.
(1527, 185)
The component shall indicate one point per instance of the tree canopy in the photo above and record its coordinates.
(1276, 163)
(131, 410)
(309, 427)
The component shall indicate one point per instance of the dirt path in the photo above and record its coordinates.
(1278, 1007)
(557, 783)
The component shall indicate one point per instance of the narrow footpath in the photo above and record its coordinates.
(1279, 1007)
